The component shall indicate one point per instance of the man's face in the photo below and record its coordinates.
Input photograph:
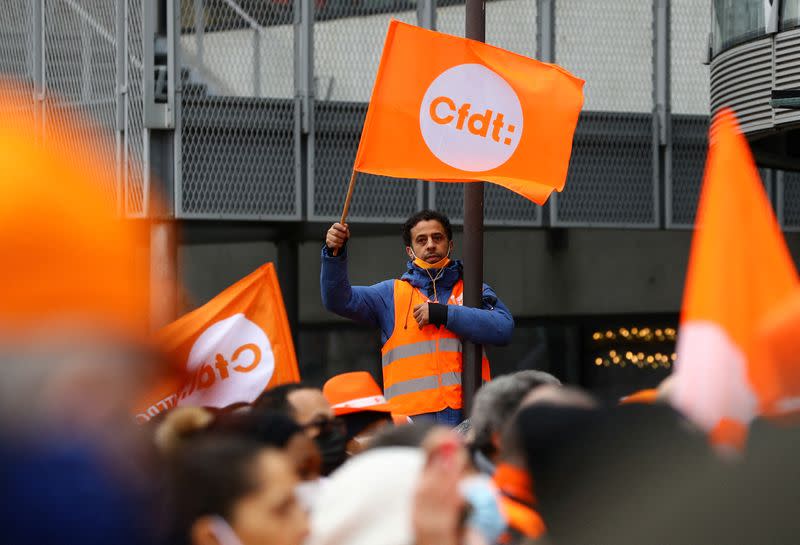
(310, 407)
(429, 242)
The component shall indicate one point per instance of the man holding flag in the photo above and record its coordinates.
(451, 110)
(421, 317)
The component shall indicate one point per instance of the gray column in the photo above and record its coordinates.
(289, 279)
(39, 89)
(161, 24)
(662, 115)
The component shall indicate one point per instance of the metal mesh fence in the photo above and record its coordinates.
(610, 45)
(789, 201)
(134, 183)
(348, 41)
(611, 180)
(238, 112)
(689, 146)
(238, 118)
(80, 74)
(691, 21)
(16, 54)
(689, 86)
(510, 24)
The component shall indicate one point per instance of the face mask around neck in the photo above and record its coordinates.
(422, 264)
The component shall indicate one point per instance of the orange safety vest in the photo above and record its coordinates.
(516, 503)
(422, 367)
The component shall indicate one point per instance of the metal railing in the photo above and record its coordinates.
(267, 99)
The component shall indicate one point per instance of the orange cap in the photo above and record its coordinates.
(353, 393)
(66, 252)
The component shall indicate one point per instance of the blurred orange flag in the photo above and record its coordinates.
(233, 347)
(779, 342)
(455, 110)
(739, 271)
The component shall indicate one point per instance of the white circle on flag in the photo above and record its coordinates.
(231, 361)
(471, 118)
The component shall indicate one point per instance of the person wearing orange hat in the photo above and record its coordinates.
(358, 400)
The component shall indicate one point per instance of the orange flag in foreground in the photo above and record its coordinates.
(234, 347)
(739, 271)
(450, 109)
(779, 342)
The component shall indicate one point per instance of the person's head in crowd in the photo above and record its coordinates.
(624, 468)
(427, 436)
(404, 436)
(277, 398)
(312, 412)
(267, 427)
(178, 424)
(305, 404)
(359, 511)
(229, 490)
(369, 500)
(559, 396)
(495, 403)
(358, 400)
(274, 429)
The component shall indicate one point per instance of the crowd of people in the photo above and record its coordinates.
(536, 462)
(532, 461)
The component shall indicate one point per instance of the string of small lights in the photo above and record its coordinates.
(635, 351)
(636, 333)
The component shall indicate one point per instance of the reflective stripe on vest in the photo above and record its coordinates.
(419, 349)
(421, 384)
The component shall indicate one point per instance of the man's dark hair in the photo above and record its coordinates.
(412, 435)
(267, 426)
(207, 476)
(277, 398)
(426, 215)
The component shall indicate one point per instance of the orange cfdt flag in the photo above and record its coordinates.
(234, 347)
(449, 109)
(739, 270)
(778, 381)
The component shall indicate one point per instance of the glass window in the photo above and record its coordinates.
(737, 21)
(790, 14)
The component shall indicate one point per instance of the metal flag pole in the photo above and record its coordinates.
(473, 236)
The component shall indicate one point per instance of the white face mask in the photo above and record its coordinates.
(307, 493)
(223, 531)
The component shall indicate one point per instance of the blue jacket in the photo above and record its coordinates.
(374, 305)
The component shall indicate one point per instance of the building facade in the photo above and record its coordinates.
(244, 117)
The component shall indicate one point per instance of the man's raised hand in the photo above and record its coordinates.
(336, 236)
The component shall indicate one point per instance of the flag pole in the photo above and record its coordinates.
(347, 200)
(473, 236)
